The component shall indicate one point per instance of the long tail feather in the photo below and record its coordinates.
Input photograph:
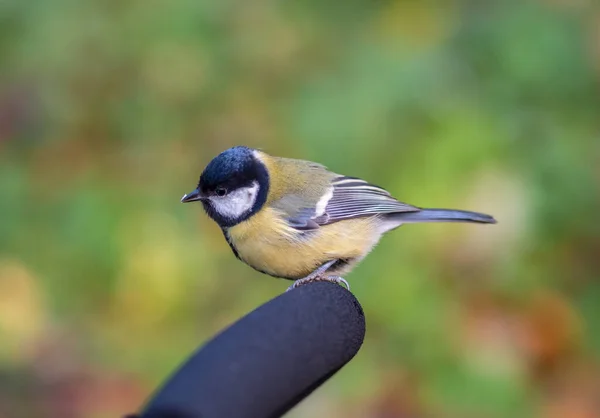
(442, 215)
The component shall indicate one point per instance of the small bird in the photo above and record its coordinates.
(297, 220)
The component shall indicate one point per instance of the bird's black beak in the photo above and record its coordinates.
(192, 196)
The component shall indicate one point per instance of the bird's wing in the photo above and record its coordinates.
(346, 198)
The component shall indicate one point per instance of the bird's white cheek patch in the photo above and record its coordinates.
(236, 203)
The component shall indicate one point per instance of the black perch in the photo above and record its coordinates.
(269, 360)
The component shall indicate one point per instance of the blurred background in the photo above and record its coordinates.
(109, 110)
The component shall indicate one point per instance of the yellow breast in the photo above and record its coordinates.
(268, 244)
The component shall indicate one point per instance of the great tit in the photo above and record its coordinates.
(297, 220)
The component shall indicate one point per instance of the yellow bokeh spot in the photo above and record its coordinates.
(22, 311)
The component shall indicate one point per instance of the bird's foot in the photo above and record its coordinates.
(338, 280)
(317, 278)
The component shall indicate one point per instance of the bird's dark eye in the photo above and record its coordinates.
(220, 191)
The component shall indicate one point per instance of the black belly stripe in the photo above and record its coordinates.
(340, 263)
(237, 255)
(228, 239)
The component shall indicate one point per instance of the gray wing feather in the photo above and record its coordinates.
(298, 215)
(351, 198)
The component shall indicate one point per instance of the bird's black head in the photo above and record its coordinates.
(232, 187)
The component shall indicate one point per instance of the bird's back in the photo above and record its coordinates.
(296, 179)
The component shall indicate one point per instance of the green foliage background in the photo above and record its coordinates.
(110, 109)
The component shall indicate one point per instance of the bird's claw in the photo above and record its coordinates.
(333, 279)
